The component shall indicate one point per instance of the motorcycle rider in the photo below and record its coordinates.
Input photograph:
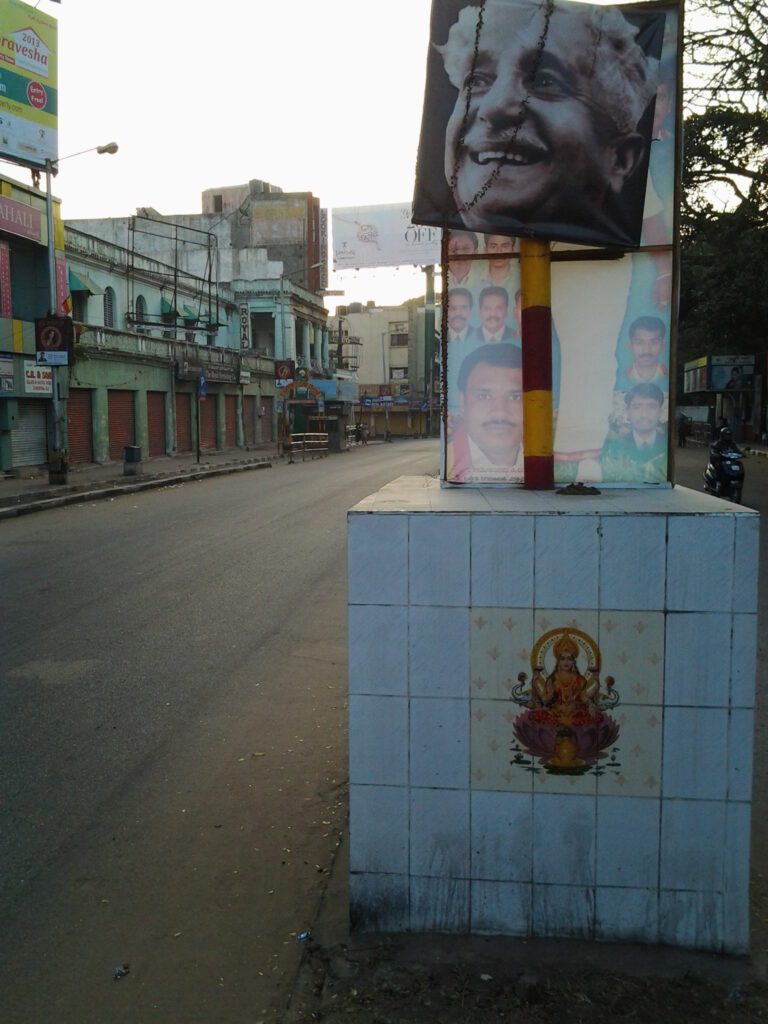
(720, 451)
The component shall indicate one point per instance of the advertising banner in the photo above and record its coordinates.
(285, 372)
(732, 373)
(610, 368)
(381, 236)
(538, 119)
(28, 84)
(245, 326)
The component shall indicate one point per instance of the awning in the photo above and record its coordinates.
(166, 306)
(80, 282)
(188, 314)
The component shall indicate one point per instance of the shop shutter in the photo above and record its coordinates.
(29, 438)
(266, 419)
(183, 422)
(230, 421)
(122, 430)
(249, 414)
(156, 422)
(80, 426)
(207, 407)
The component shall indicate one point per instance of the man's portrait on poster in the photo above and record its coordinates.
(538, 117)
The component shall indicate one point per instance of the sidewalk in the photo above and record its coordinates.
(19, 495)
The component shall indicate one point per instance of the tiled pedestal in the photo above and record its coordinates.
(456, 825)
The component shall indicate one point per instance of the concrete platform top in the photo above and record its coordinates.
(417, 494)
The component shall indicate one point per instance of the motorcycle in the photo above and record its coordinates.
(724, 475)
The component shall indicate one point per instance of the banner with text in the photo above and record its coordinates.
(381, 236)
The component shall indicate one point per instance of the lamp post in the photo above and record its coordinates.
(58, 473)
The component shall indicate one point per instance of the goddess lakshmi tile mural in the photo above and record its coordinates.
(566, 701)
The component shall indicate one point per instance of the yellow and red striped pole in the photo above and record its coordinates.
(538, 443)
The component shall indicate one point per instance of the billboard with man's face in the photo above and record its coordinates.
(538, 118)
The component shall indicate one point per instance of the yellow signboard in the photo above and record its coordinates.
(28, 84)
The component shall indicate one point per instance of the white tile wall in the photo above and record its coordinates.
(628, 833)
(439, 904)
(697, 660)
(377, 559)
(736, 899)
(743, 661)
(438, 647)
(502, 836)
(693, 919)
(695, 755)
(442, 836)
(564, 839)
(632, 562)
(378, 741)
(378, 651)
(566, 561)
(740, 742)
(566, 911)
(378, 839)
(501, 908)
(379, 903)
(693, 839)
(627, 915)
(700, 563)
(502, 562)
(440, 833)
(745, 563)
(439, 742)
(439, 560)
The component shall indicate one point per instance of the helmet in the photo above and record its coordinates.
(725, 434)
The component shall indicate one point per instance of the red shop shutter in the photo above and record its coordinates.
(183, 422)
(208, 422)
(249, 412)
(230, 421)
(121, 422)
(266, 419)
(156, 422)
(80, 426)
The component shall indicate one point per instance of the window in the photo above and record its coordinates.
(218, 204)
(80, 307)
(398, 340)
(109, 307)
(141, 314)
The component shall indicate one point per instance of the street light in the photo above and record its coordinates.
(51, 168)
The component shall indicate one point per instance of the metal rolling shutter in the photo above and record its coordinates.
(156, 422)
(249, 413)
(183, 422)
(29, 438)
(122, 430)
(266, 419)
(207, 407)
(80, 426)
(230, 421)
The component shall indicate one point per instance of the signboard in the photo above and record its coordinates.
(285, 372)
(38, 380)
(538, 119)
(28, 84)
(6, 374)
(324, 251)
(381, 236)
(245, 377)
(245, 326)
(202, 386)
(18, 218)
(54, 337)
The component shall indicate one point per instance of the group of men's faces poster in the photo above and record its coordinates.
(611, 324)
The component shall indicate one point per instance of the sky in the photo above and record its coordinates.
(318, 97)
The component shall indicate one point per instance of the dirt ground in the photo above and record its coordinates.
(381, 984)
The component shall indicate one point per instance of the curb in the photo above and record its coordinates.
(115, 489)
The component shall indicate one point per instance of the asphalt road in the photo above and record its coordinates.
(173, 745)
(173, 741)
